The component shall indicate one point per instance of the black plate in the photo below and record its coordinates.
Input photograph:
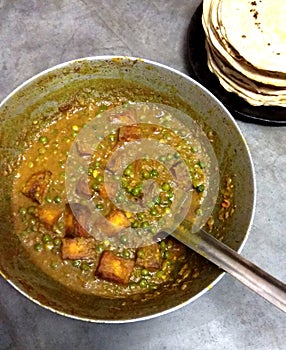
(199, 70)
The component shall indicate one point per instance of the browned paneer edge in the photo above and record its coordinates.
(114, 268)
(37, 185)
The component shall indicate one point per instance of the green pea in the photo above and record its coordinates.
(38, 247)
(160, 274)
(120, 198)
(99, 206)
(136, 191)
(140, 253)
(84, 267)
(43, 140)
(48, 199)
(145, 224)
(97, 165)
(129, 189)
(46, 238)
(154, 173)
(200, 188)
(201, 164)
(135, 224)
(95, 186)
(126, 254)
(132, 285)
(30, 165)
(140, 216)
(162, 159)
(31, 210)
(57, 199)
(146, 174)
(100, 248)
(57, 241)
(144, 272)
(157, 200)
(153, 212)
(143, 283)
(76, 263)
(123, 239)
(167, 210)
(170, 194)
(112, 137)
(26, 233)
(167, 136)
(169, 156)
(99, 178)
(163, 245)
(42, 150)
(165, 187)
(128, 172)
(23, 211)
(54, 265)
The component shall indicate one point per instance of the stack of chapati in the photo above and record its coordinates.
(246, 48)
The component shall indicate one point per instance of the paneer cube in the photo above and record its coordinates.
(114, 222)
(76, 220)
(149, 257)
(49, 214)
(114, 268)
(37, 186)
(78, 248)
(129, 133)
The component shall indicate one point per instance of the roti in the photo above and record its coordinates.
(246, 48)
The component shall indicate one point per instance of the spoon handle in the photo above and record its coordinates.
(230, 261)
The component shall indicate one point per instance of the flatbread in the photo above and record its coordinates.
(257, 30)
(246, 50)
(254, 94)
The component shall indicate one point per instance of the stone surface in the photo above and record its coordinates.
(37, 34)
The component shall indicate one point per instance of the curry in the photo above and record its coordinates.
(61, 237)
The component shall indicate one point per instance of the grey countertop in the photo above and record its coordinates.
(38, 34)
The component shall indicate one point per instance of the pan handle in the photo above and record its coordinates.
(230, 261)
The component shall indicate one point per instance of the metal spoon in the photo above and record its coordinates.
(230, 261)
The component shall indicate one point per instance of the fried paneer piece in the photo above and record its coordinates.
(76, 220)
(129, 133)
(49, 214)
(113, 223)
(78, 248)
(114, 268)
(149, 257)
(37, 185)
